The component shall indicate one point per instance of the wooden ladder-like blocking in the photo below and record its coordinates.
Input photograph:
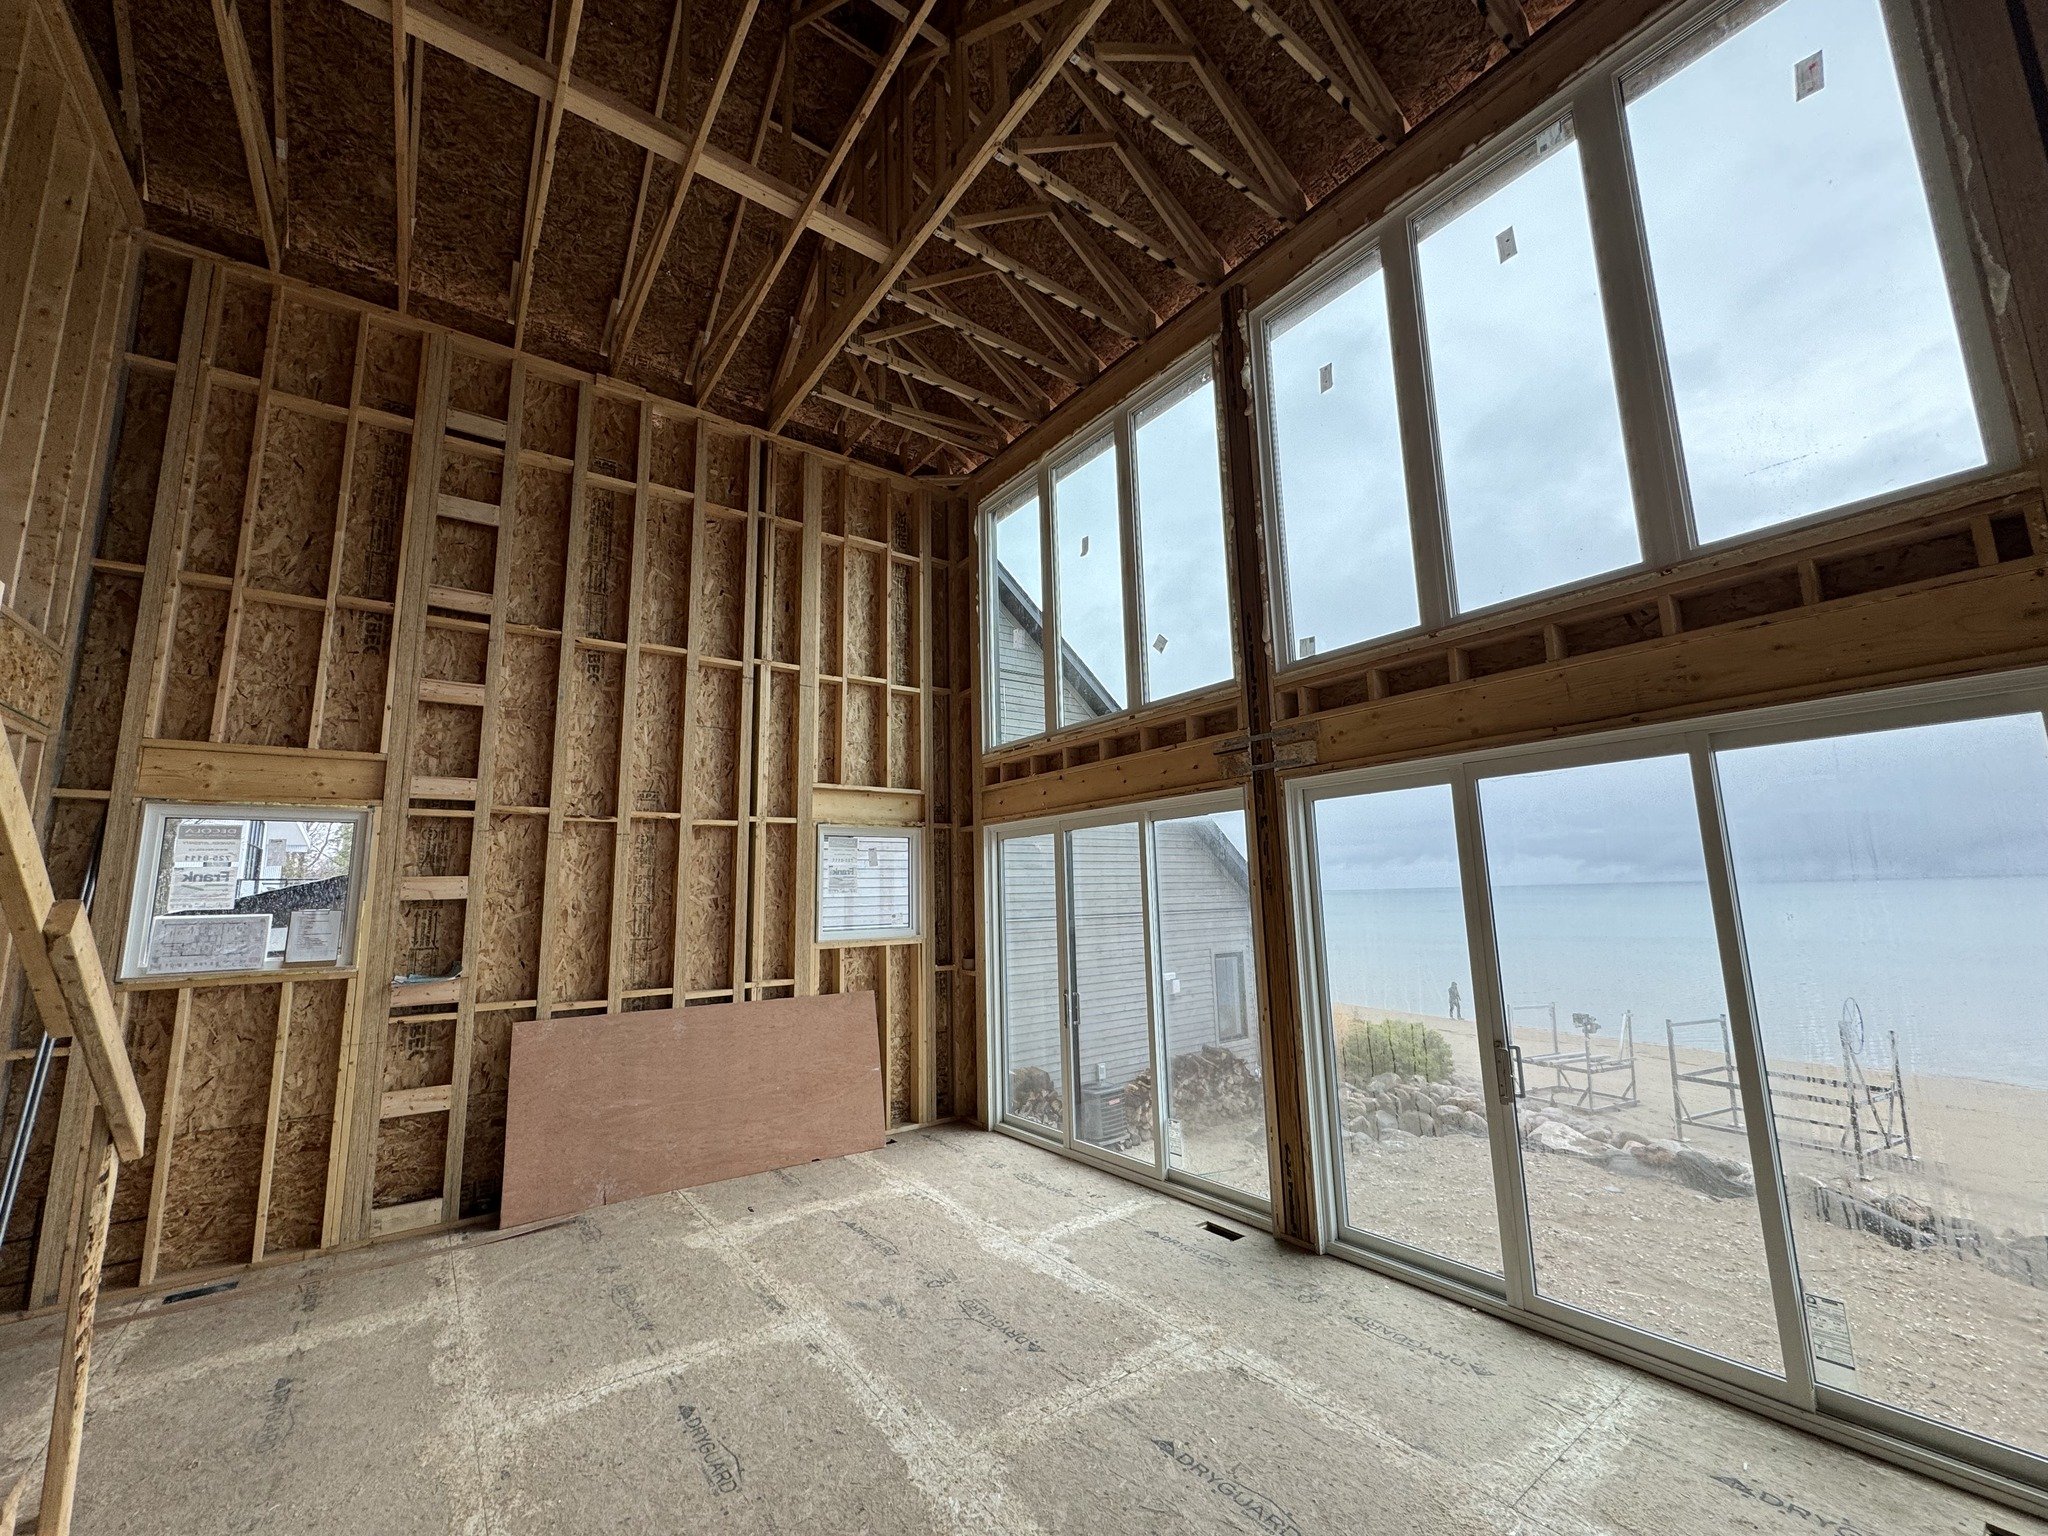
(53, 944)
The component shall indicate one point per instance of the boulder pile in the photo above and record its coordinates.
(1394, 1110)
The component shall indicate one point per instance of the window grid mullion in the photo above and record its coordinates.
(1421, 464)
(1649, 422)
(1049, 610)
(1137, 685)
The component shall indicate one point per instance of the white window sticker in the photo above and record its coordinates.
(1808, 76)
(1326, 379)
(1504, 242)
(1827, 1324)
(313, 936)
(865, 884)
(205, 942)
(206, 858)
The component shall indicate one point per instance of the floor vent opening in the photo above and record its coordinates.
(1223, 1232)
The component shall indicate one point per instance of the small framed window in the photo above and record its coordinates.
(870, 884)
(244, 888)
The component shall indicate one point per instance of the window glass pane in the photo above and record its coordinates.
(1033, 1075)
(1180, 523)
(1216, 1098)
(1813, 347)
(1335, 437)
(1019, 660)
(1112, 1017)
(1535, 481)
(1089, 559)
(1418, 1164)
(1894, 899)
(1609, 965)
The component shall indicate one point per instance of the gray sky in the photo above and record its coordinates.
(1813, 351)
(1180, 519)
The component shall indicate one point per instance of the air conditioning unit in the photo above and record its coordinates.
(1100, 1110)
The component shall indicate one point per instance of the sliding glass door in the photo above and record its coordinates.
(1127, 993)
(1729, 1043)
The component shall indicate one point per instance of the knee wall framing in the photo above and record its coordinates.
(599, 663)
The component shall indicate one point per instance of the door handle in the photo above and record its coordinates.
(1509, 1081)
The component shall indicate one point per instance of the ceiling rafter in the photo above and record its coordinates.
(1509, 20)
(404, 165)
(987, 408)
(677, 26)
(1109, 314)
(927, 372)
(959, 434)
(648, 264)
(1266, 158)
(266, 179)
(1358, 89)
(1131, 306)
(1053, 326)
(1056, 187)
(607, 110)
(130, 96)
(1040, 67)
(543, 172)
(727, 341)
(1003, 20)
(974, 330)
(780, 78)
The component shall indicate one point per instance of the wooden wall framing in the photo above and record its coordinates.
(598, 663)
(68, 224)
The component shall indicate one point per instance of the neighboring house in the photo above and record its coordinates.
(1205, 923)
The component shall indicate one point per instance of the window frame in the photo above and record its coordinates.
(1118, 428)
(914, 931)
(154, 814)
(1593, 101)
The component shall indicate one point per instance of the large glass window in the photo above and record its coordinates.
(1400, 1021)
(1112, 1017)
(1894, 898)
(1812, 342)
(1185, 583)
(1334, 440)
(1027, 909)
(1535, 479)
(1017, 638)
(1088, 561)
(1215, 1099)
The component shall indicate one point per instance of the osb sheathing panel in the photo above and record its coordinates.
(411, 1154)
(340, 121)
(150, 1020)
(526, 721)
(447, 741)
(785, 597)
(708, 910)
(721, 597)
(471, 193)
(725, 467)
(866, 612)
(18, 1257)
(138, 460)
(508, 951)
(831, 612)
(376, 511)
(583, 241)
(582, 901)
(437, 845)
(596, 696)
(665, 594)
(94, 734)
(465, 555)
(160, 307)
(862, 752)
(457, 653)
(904, 756)
(193, 672)
(549, 416)
(777, 960)
(778, 747)
(298, 1180)
(391, 372)
(195, 150)
(483, 1142)
(277, 658)
(419, 1051)
(480, 383)
(657, 729)
(674, 451)
(316, 349)
(244, 327)
(829, 695)
(615, 436)
(352, 718)
(292, 536)
(540, 545)
(213, 531)
(650, 914)
(474, 471)
(903, 965)
(713, 771)
(903, 626)
(607, 564)
(216, 1153)
(430, 937)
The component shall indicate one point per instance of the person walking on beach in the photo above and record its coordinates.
(1457, 1008)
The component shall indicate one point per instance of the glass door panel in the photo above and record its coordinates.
(1216, 1096)
(1114, 1080)
(1027, 936)
(1893, 888)
(1611, 975)
(1398, 1024)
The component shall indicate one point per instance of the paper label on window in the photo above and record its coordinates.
(1827, 1325)
(231, 942)
(206, 859)
(1808, 76)
(1504, 242)
(864, 884)
(313, 935)
(1326, 378)
(1176, 1143)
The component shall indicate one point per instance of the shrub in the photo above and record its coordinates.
(1383, 1045)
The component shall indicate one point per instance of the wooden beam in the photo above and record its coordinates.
(1364, 75)
(403, 163)
(1010, 16)
(974, 330)
(676, 25)
(605, 109)
(1266, 158)
(735, 331)
(642, 284)
(740, 207)
(96, 1025)
(925, 373)
(1110, 315)
(1510, 22)
(1041, 66)
(131, 97)
(1049, 321)
(1366, 99)
(1059, 189)
(266, 181)
(544, 170)
(923, 423)
(86, 1259)
(1131, 305)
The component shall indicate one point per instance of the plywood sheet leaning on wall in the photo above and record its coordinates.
(614, 1107)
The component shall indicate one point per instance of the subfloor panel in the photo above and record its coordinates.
(959, 1332)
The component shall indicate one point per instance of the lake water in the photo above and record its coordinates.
(1958, 967)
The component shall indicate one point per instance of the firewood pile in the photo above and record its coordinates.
(1035, 1096)
(1211, 1086)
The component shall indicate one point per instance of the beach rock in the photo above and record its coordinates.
(1415, 1123)
(1386, 1120)
(1655, 1154)
(1381, 1083)
(1721, 1177)
(1557, 1136)
(1449, 1118)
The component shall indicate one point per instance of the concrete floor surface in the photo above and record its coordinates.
(957, 1333)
